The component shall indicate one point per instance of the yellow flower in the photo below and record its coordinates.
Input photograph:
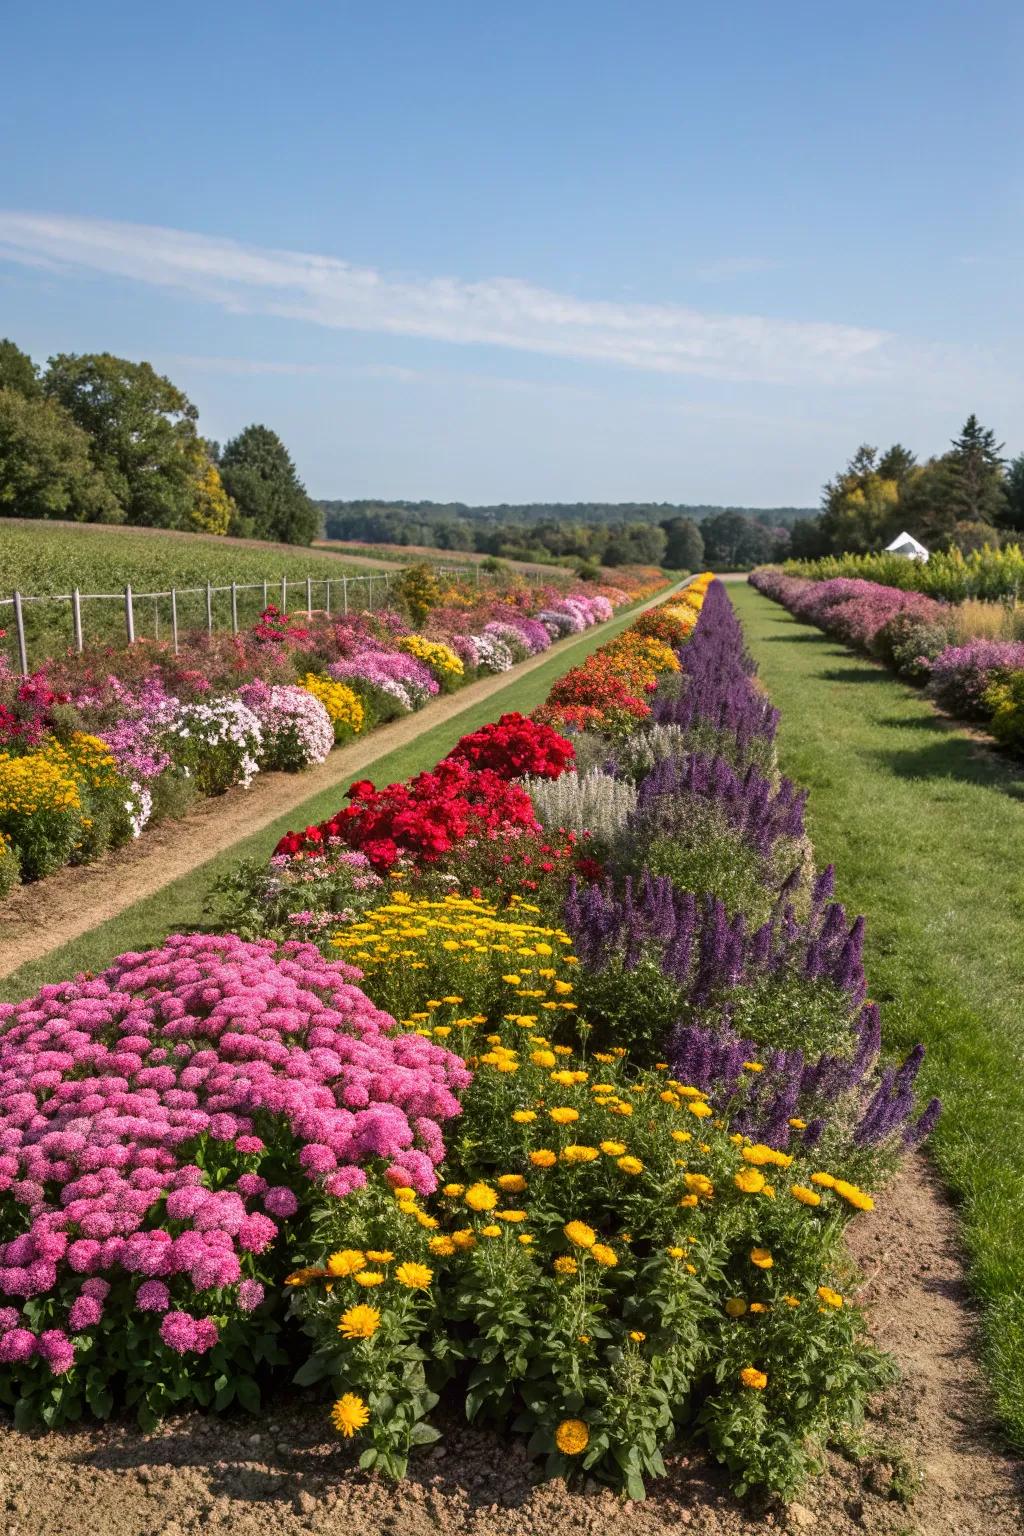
(491, 1230)
(830, 1297)
(481, 1197)
(791, 1301)
(760, 1156)
(613, 1148)
(675, 1253)
(565, 1264)
(580, 1234)
(379, 1255)
(543, 1058)
(630, 1165)
(636, 1335)
(576, 1154)
(758, 1306)
(359, 1322)
(511, 1183)
(699, 1184)
(735, 1306)
(513, 980)
(751, 1378)
(454, 1190)
(416, 1277)
(824, 1179)
(761, 1257)
(300, 1277)
(749, 1181)
(369, 1278)
(604, 1255)
(526, 1239)
(563, 1115)
(699, 1108)
(858, 1198)
(524, 1116)
(443, 1246)
(682, 1136)
(513, 1216)
(572, 1437)
(804, 1195)
(349, 1414)
(346, 1261)
(543, 1158)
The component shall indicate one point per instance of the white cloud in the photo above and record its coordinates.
(498, 311)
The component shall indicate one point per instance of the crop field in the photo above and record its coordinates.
(39, 559)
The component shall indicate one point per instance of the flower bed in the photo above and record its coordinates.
(279, 696)
(671, 1091)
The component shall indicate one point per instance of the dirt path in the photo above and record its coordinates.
(44, 916)
(285, 1474)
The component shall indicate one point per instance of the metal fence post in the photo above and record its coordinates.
(309, 594)
(156, 618)
(19, 627)
(344, 595)
(369, 596)
(284, 594)
(76, 619)
(234, 608)
(209, 609)
(174, 618)
(129, 614)
(327, 599)
(266, 598)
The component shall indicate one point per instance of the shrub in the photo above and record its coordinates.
(592, 802)
(295, 725)
(910, 642)
(446, 667)
(294, 896)
(343, 706)
(1005, 699)
(216, 745)
(41, 813)
(161, 1125)
(416, 589)
(10, 868)
(961, 674)
(514, 746)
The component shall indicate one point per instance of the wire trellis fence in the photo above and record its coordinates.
(169, 614)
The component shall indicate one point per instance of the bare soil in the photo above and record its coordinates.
(928, 1464)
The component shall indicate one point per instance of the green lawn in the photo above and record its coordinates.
(926, 829)
(179, 905)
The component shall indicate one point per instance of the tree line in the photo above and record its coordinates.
(965, 498)
(100, 439)
(582, 534)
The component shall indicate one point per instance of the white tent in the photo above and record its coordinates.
(905, 544)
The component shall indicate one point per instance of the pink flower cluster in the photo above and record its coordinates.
(124, 1099)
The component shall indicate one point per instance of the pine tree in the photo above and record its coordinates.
(976, 485)
(258, 474)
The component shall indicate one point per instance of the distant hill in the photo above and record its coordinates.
(510, 514)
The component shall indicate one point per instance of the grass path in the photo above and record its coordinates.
(139, 910)
(925, 825)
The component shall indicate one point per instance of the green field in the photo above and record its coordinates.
(926, 828)
(38, 558)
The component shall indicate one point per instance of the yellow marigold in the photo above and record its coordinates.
(630, 1165)
(300, 1277)
(580, 1234)
(349, 1414)
(511, 1183)
(791, 1301)
(682, 1136)
(699, 1184)
(749, 1180)
(454, 1190)
(751, 1378)
(491, 1230)
(830, 1297)
(858, 1198)
(758, 1306)
(524, 1116)
(824, 1179)
(359, 1322)
(563, 1115)
(513, 1216)
(572, 1437)
(369, 1278)
(379, 1255)
(675, 1253)
(761, 1156)
(481, 1197)
(346, 1261)
(762, 1258)
(438, 657)
(416, 1277)
(464, 1239)
(613, 1148)
(604, 1255)
(443, 1246)
(543, 1158)
(565, 1264)
(699, 1108)
(637, 1335)
(576, 1154)
(804, 1195)
(735, 1306)
(343, 705)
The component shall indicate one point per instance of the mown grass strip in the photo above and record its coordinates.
(180, 905)
(926, 828)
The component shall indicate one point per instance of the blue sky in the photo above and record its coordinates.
(552, 251)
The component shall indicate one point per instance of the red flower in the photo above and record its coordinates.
(514, 746)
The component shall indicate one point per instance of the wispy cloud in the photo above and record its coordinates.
(498, 311)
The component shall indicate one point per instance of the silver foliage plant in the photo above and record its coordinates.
(591, 802)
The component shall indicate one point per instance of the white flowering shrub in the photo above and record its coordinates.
(296, 728)
(494, 655)
(215, 745)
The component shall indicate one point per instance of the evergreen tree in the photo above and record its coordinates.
(258, 474)
(1013, 512)
(18, 371)
(976, 490)
(685, 548)
(896, 464)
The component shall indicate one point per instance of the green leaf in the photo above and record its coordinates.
(424, 1434)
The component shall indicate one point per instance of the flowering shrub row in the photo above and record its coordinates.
(667, 1082)
(170, 726)
(976, 678)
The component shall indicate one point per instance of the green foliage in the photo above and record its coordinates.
(684, 550)
(18, 371)
(949, 575)
(141, 429)
(46, 468)
(418, 591)
(703, 854)
(259, 475)
(1005, 698)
